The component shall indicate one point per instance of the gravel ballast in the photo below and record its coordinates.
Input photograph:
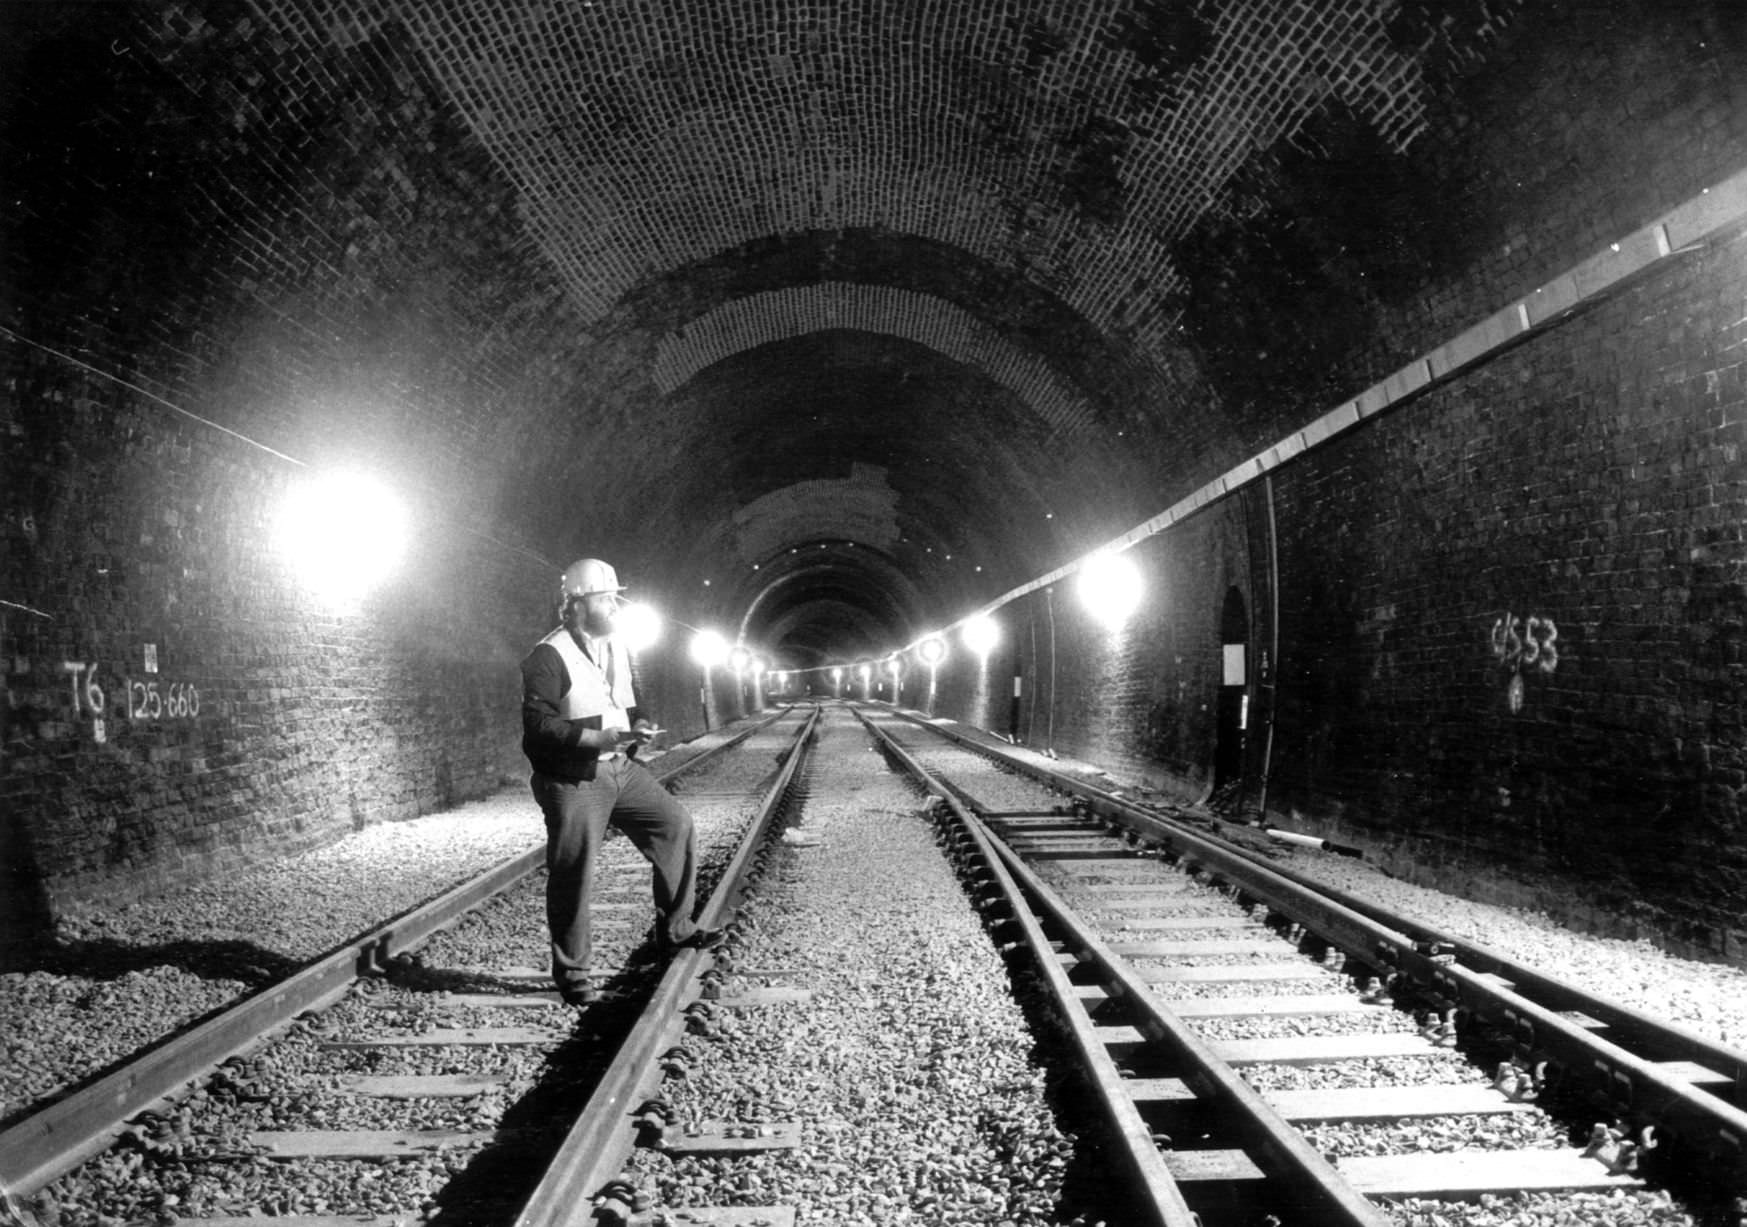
(1705, 997)
(909, 1069)
(194, 1157)
(119, 978)
(1709, 998)
(860, 1066)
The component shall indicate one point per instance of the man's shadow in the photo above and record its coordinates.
(111, 958)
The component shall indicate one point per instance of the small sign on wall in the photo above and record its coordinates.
(1234, 664)
(151, 658)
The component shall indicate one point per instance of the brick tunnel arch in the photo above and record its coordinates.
(804, 606)
(673, 159)
(1093, 260)
(757, 319)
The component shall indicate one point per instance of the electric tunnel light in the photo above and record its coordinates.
(343, 533)
(709, 649)
(1110, 588)
(981, 634)
(738, 659)
(637, 626)
(932, 650)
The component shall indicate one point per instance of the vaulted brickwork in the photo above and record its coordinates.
(1081, 140)
(831, 323)
(777, 315)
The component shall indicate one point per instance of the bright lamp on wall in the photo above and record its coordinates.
(1110, 588)
(981, 634)
(709, 649)
(637, 626)
(343, 532)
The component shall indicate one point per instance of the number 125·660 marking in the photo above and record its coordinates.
(180, 701)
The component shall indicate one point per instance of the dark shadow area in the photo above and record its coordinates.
(415, 977)
(110, 959)
(497, 1181)
(26, 918)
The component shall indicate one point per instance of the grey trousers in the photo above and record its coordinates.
(625, 795)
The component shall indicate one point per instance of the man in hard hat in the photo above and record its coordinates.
(581, 730)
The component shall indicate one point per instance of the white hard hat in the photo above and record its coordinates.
(588, 576)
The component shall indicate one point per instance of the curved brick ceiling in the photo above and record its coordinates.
(758, 319)
(828, 601)
(1074, 140)
(881, 446)
(935, 240)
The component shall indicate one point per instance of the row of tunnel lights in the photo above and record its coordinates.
(346, 533)
(1109, 587)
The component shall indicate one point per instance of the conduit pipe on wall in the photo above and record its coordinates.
(1266, 681)
(1049, 606)
(1031, 716)
(1714, 214)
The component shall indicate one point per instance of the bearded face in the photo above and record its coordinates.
(592, 614)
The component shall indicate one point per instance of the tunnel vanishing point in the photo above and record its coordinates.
(1396, 344)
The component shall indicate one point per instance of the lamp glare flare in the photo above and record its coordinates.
(1109, 585)
(343, 532)
(709, 649)
(1110, 588)
(981, 634)
(637, 626)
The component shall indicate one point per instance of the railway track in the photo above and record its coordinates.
(1259, 1051)
(1236, 1023)
(424, 1068)
(852, 1055)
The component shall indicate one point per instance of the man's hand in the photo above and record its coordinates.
(644, 732)
(607, 740)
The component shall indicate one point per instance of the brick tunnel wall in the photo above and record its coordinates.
(1586, 484)
(303, 246)
(236, 170)
(1513, 623)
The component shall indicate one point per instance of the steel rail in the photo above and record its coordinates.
(595, 1147)
(1658, 1038)
(1716, 1128)
(1311, 1184)
(61, 1135)
(1663, 1039)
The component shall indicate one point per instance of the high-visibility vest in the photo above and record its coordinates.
(590, 692)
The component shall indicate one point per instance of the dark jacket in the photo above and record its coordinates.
(548, 739)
